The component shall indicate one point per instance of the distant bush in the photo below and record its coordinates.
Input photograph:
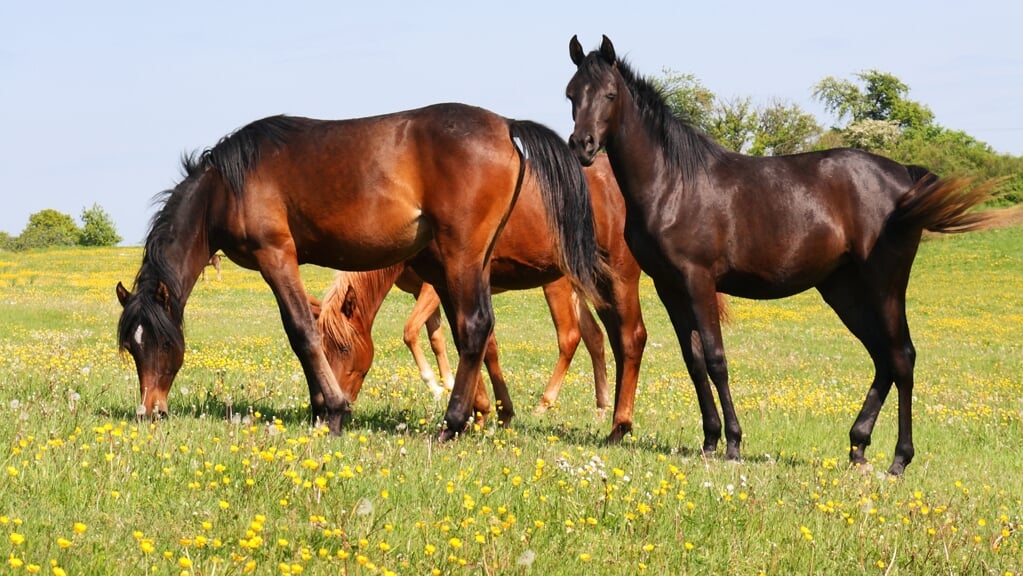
(50, 228)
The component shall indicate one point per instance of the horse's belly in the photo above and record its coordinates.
(367, 244)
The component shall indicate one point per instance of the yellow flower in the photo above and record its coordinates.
(584, 557)
(185, 562)
(63, 542)
(16, 538)
(455, 543)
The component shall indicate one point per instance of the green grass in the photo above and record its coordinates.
(237, 480)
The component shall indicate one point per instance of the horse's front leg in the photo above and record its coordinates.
(679, 309)
(707, 315)
(280, 270)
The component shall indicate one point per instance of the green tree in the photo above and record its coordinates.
(6, 241)
(784, 128)
(97, 228)
(734, 123)
(882, 97)
(739, 124)
(48, 228)
(687, 97)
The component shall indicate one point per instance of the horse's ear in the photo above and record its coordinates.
(122, 294)
(575, 50)
(607, 50)
(350, 306)
(163, 296)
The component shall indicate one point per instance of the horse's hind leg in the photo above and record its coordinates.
(593, 339)
(426, 311)
(505, 410)
(466, 300)
(626, 333)
(878, 320)
(560, 298)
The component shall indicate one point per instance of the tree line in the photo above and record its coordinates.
(51, 228)
(872, 112)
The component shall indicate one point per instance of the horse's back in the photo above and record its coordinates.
(780, 224)
(400, 173)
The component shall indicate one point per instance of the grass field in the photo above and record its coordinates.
(237, 481)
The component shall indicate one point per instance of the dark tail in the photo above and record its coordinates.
(945, 205)
(567, 202)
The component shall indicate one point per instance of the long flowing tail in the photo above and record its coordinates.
(567, 201)
(944, 205)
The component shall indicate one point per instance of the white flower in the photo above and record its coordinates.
(526, 558)
(364, 507)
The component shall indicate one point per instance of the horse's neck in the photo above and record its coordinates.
(189, 251)
(637, 162)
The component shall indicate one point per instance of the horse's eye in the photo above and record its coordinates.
(612, 95)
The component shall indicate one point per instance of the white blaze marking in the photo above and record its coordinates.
(138, 335)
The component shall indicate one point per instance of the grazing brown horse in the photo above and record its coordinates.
(346, 315)
(523, 258)
(702, 219)
(434, 185)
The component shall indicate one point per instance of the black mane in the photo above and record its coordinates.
(238, 153)
(686, 147)
(233, 157)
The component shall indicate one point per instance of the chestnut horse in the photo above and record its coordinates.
(434, 185)
(346, 315)
(702, 219)
(573, 323)
(523, 258)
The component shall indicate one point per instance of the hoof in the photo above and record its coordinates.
(732, 453)
(334, 419)
(618, 433)
(504, 420)
(896, 469)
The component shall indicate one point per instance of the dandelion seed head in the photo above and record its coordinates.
(364, 507)
(526, 558)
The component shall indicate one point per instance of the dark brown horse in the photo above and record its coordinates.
(434, 185)
(701, 218)
(524, 257)
(346, 315)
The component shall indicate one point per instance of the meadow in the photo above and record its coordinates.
(238, 481)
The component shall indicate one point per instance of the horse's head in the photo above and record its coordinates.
(347, 337)
(594, 92)
(150, 330)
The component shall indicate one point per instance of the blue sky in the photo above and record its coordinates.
(98, 100)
